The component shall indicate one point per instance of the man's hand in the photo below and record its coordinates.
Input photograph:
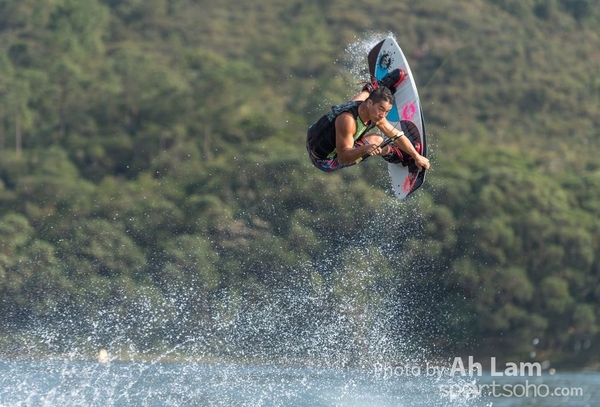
(421, 162)
(373, 149)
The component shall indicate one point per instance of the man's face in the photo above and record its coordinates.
(379, 110)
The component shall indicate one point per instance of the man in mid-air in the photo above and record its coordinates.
(342, 136)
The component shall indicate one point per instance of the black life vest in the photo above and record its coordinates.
(320, 137)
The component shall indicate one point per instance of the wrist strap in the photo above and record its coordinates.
(398, 135)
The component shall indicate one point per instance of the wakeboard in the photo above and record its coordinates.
(406, 114)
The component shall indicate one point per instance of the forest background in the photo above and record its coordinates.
(156, 197)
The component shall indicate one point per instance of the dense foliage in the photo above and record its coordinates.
(152, 164)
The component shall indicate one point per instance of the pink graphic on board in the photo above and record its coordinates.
(409, 182)
(409, 111)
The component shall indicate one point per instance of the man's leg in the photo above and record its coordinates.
(373, 138)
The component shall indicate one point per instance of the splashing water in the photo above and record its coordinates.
(337, 338)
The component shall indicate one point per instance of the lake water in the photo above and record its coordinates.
(77, 383)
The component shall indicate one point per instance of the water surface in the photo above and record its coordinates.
(77, 383)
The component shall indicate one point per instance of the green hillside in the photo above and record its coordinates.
(155, 191)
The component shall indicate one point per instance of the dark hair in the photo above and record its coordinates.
(382, 94)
